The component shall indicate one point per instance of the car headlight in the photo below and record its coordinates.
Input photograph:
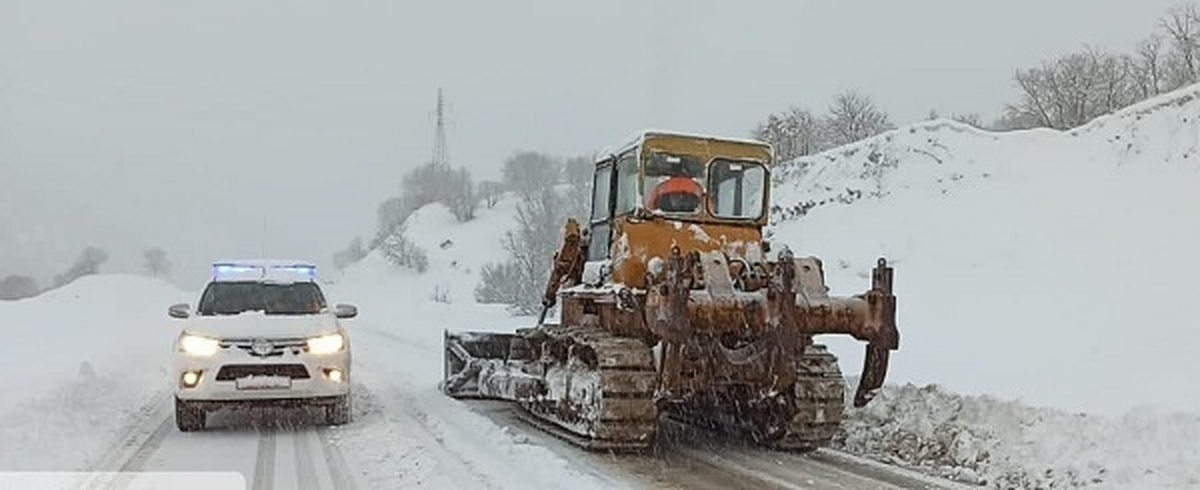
(326, 344)
(198, 346)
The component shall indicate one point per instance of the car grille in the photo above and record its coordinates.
(277, 346)
(234, 371)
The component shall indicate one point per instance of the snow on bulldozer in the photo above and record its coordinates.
(672, 304)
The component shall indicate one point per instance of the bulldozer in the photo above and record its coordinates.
(672, 304)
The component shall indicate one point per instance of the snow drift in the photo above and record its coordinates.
(81, 360)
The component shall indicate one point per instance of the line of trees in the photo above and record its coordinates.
(1061, 93)
(795, 132)
(1075, 88)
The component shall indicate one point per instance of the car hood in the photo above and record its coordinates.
(257, 324)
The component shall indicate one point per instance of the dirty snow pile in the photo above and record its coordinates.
(1005, 444)
(1054, 269)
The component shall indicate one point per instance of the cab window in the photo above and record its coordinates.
(674, 183)
(737, 189)
(602, 193)
(628, 195)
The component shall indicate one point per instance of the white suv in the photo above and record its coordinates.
(261, 335)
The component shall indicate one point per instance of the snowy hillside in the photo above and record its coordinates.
(1053, 267)
(456, 252)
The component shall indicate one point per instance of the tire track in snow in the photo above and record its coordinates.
(150, 425)
(461, 470)
(306, 472)
(339, 471)
(264, 462)
(452, 439)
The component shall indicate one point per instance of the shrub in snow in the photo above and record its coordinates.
(441, 294)
(500, 283)
(400, 251)
(18, 287)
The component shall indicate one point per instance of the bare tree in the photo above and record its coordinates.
(793, 133)
(156, 263)
(531, 247)
(490, 191)
(438, 182)
(1072, 90)
(853, 117)
(400, 251)
(1182, 25)
(578, 174)
(1148, 67)
(528, 173)
(459, 195)
(970, 119)
(391, 214)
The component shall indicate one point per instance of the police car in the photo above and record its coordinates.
(261, 335)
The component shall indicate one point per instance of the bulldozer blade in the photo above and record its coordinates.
(875, 366)
(467, 354)
(488, 365)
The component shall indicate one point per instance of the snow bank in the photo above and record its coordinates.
(1004, 444)
(81, 360)
(1053, 267)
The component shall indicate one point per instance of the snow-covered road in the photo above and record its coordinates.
(408, 435)
(270, 449)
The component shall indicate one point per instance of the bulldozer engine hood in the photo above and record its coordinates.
(638, 241)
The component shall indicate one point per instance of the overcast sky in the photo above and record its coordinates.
(197, 125)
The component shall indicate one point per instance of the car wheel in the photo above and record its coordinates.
(189, 417)
(338, 413)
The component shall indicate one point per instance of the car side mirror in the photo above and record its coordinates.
(345, 311)
(178, 311)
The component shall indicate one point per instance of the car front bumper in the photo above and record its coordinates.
(235, 375)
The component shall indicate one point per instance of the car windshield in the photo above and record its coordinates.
(232, 298)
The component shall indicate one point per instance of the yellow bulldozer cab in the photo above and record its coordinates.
(665, 190)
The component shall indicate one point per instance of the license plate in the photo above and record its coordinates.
(264, 383)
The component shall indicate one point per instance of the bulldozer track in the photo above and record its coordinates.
(575, 439)
(620, 412)
(818, 399)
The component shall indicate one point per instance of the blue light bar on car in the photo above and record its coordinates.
(305, 271)
(230, 271)
(276, 271)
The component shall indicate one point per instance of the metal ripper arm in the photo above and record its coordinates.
(869, 317)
